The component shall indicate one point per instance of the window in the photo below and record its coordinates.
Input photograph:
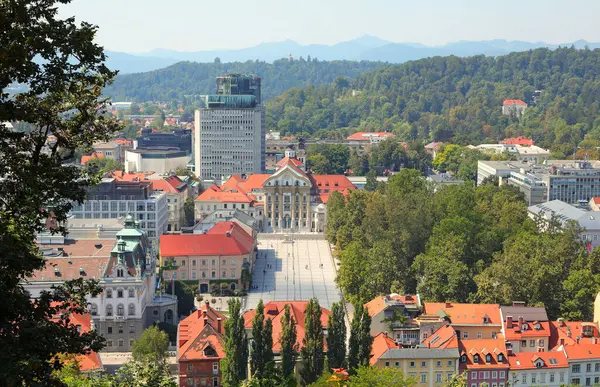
(576, 368)
(540, 342)
(481, 374)
(120, 310)
(109, 310)
(183, 262)
(486, 374)
(193, 262)
(412, 364)
(387, 363)
(94, 309)
(438, 378)
(524, 379)
(120, 293)
(562, 377)
(476, 359)
(463, 359)
(423, 378)
(213, 274)
(500, 357)
(215, 382)
(109, 330)
(473, 375)
(588, 367)
(588, 381)
(121, 342)
(438, 363)
(130, 343)
(523, 343)
(488, 358)
(479, 335)
(532, 343)
(494, 374)
(131, 293)
(215, 366)
(109, 343)
(465, 335)
(551, 378)
(131, 310)
(397, 364)
(597, 367)
(596, 380)
(533, 379)
(131, 328)
(223, 274)
(450, 363)
(575, 381)
(233, 261)
(108, 293)
(423, 364)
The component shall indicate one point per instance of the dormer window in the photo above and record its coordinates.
(537, 326)
(524, 327)
(486, 319)
(463, 358)
(488, 358)
(476, 359)
(500, 358)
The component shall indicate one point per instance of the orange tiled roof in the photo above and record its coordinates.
(520, 140)
(465, 314)
(94, 155)
(291, 160)
(582, 351)
(567, 332)
(482, 347)
(254, 181)
(444, 337)
(366, 136)
(378, 304)
(514, 102)
(195, 335)
(325, 185)
(516, 332)
(528, 360)
(229, 238)
(596, 200)
(381, 343)
(274, 311)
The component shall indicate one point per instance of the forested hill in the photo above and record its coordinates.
(458, 99)
(190, 78)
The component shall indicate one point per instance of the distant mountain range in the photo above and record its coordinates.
(364, 48)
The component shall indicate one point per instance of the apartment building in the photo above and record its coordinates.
(471, 321)
(526, 328)
(394, 314)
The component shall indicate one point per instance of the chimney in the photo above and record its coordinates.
(205, 321)
(204, 312)
(219, 324)
(561, 322)
(518, 303)
(568, 331)
(509, 322)
(207, 303)
(578, 339)
(520, 321)
(448, 305)
(562, 341)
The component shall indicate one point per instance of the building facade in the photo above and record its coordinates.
(514, 107)
(158, 160)
(179, 138)
(230, 132)
(394, 314)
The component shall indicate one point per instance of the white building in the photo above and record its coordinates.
(229, 136)
(584, 364)
(538, 369)
(158, 160)
(527, 154)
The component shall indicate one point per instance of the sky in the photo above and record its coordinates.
(198, 25)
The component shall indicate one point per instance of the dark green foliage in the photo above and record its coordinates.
(313, 343)
(327, 159)
(458, 100)
(235, 363)
(360, 338)
(153, 343)
(289, 347)
(336, 337)
(184, 293)
(257, 345)
(189, 214)
(39, 50)
(186, 80)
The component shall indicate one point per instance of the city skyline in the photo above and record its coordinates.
(193, 26)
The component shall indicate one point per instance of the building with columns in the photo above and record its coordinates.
(290, 199)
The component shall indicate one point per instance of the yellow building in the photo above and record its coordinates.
(428, 367)
(470, 321)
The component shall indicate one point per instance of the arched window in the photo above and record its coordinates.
(120, 310)
(109, 310)
(93, 309)
(108, 293)
(131, 310)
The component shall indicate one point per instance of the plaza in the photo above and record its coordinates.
(293, 267)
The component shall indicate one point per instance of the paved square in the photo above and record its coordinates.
(294, 268)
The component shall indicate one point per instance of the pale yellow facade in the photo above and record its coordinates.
(425, 372)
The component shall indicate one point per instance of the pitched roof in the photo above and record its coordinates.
(596, 200)
(94, 155)
(274, 311)
(195, 335)
(516, 332)
(225, 238)
(582, 351)
(514, 102)
(567, 332)
(325, 185)
(224, 196)
(381, 343)
(529, 313)
(90, 361)
(254, 181)
(527, 360)
(380, 303)
(482, 347)
(465, 314)
(444, 337)
(520, 140)
(366, 136)
(291, 160)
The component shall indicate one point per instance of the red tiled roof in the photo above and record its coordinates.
(224, 196)
(366, 136)
(514, 102)
(583, 351)
(482, 347)
(381, 344)
(94, 155)
(93, 268)
(254, 181)
(325, 185)
(123, 141)
(215, 242)
(527, 360)
(516, 332)
(520, 140)
(444, 337)
(434, 145)
(567, 332)
(286, 160)
(274, 311)
(195, 335)
(91, 361)
(378, 304)
(596, 200)
(465, 314)
(130, 176)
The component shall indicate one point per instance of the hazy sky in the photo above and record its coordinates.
(194, 25)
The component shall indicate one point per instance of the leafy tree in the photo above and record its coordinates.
(144, 372)
(379, 377)
(372, 182)
(152, 343)
(235, 363)
(189, 212)
(257, 348)
(102, 165)
(336, 337)
(318, 164)
(366, 340)
(335, 208)
(312, 343)
(65, 72)
(328, 158)
(289, 346)
(360, 338)
(359, 165)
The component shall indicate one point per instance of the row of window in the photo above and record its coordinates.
(576, 368)
(413, 363)
(109, 330)
(109, 310)
(484, 384)
(533, 379)
(477, 358)
(213, 274)
(203, 262)
(121, 343)
(486, 374)
(588, 381)
(120, 292)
